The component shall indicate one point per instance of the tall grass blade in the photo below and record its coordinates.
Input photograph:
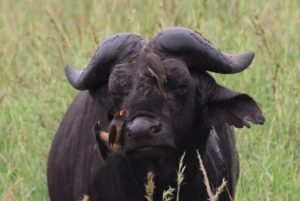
(149, 186)
(180, 176)
(168, 195)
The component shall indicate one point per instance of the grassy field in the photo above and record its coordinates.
(38, 38)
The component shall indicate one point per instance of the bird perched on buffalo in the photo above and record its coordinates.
(111, 141)
(115, 130)
(155, 67)
(101, 138)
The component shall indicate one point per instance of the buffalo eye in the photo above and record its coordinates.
(119, 82)
(178, 77)
(178, 91)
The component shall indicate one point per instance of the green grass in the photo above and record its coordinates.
(38, 37)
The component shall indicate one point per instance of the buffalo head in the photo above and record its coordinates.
(119, 75)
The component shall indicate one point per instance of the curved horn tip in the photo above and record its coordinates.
(241, 61)
(246, 59)
(73, 76)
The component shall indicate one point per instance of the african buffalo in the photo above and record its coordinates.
(184, 111)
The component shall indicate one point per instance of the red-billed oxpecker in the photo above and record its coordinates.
(114, 135)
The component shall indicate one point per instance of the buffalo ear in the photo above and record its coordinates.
(235, 109)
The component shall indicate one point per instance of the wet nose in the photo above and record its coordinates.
(143, 127)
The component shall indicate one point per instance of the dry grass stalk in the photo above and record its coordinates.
(13, 189)
(149, 186)
(227, 190)
(220, 189)
(60, 27)
(212, 196)
(85, 198)
(94, 33)
(180, 175)
(168, 195)
(262, 33)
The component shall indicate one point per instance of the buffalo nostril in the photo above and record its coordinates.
(155, 129)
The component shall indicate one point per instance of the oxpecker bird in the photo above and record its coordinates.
(101, 138)
(115, 130)
(111, 140)
(155, 67)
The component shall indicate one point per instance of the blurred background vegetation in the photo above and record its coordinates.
(39, 37)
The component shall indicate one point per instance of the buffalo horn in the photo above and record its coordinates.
(199, 52)
(111, 51)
